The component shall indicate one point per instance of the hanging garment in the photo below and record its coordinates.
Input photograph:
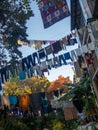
(56, 47)
(37, 70)
(22, 74)
(67, 56)
(56, 62)
(36, 44)
(5, 101)
(13, 99)
(72, 41)
(50, 63)
(30, 61)
(44, 67)
(25, 64)
(88, 59)
(42, 54)
(35, 101)
(24, 101)
(53, 11)
(62, 59)
(48, 50)
(35, 58)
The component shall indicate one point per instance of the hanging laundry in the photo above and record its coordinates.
(24, 102)
(35, 101)
(56, 47)
(5, 101)
(41, 54)
(36, 44)
(56, 62)
(22, 74)
(35, 58)
(13, 99)
(72, 41)
(67, 56)
(48, 50)
(53, 11)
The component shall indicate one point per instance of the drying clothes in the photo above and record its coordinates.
(72, 41)
(30, 61)
(35, 58)
(45, 70)
(22, 74)
(78, 52)
(36, 44)
(53, 11)
(74, 56)
(64, 41)
(41, 54)
(88, 59)
(24, 101)
(13, 99)
(25, 64)
(37, 70)
(67, 56)
(48, 50)
(56, 47)
(35, 101)
(43, 65)
(56, 62)
(62, 59)
(50, 63)
(5, 101)
(3, 72)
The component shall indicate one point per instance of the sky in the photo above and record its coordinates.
(57, 31)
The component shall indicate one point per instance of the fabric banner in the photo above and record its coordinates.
(53, 11)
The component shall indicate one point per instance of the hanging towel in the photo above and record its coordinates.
(67, 56)
(13, 99)
(56, 47)
(22, 74)
(41, 54)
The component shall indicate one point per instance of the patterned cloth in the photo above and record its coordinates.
(53, 11)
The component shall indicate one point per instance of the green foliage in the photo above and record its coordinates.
(13, 17)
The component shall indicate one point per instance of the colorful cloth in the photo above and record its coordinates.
(53, 11)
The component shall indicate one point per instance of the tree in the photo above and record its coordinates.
(13, 17)
(59, 84)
